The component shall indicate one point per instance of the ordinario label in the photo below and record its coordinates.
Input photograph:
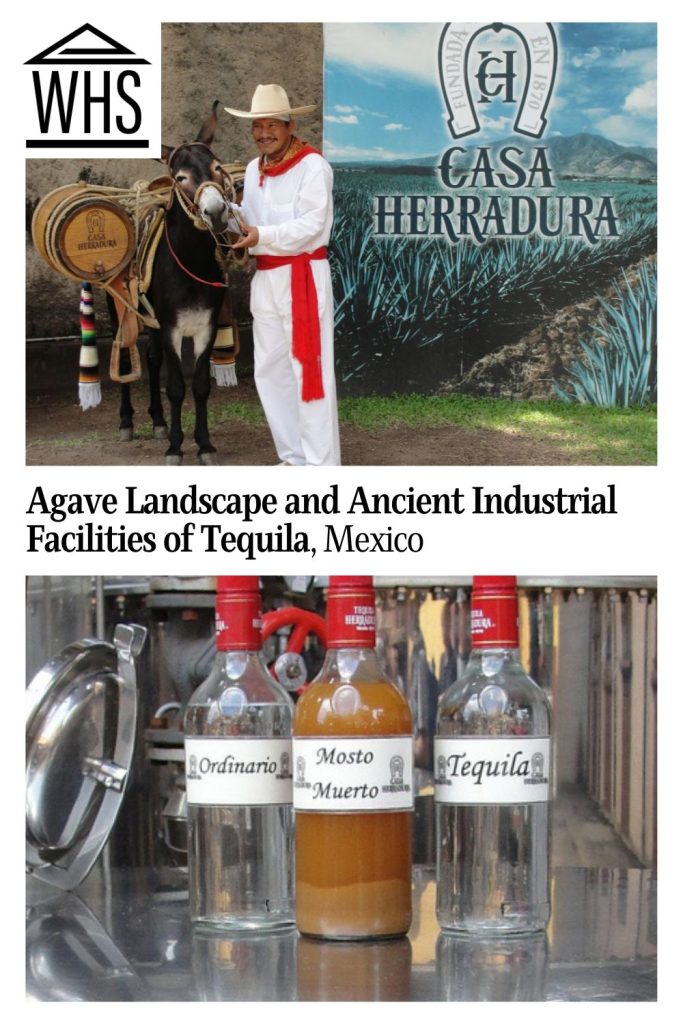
(238, 771)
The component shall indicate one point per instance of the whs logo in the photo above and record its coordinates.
(92, 94)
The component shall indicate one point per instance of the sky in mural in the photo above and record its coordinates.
(383, 99)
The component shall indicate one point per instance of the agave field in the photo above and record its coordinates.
(619, 363)
(413, 312)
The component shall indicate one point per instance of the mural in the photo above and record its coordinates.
(495, 228)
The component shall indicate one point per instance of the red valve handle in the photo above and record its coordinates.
(302, 621)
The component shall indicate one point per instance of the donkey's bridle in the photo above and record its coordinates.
(226, 185)
(228, 191)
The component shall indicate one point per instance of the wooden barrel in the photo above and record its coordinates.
(82, 234)
(43, 213)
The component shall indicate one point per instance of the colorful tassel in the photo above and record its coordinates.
(89, 390)
(224, 356)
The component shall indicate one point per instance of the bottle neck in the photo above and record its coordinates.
(351, 665)
(234, 666)
(243, 653)
(491, 656)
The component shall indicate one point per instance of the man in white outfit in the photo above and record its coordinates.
(287, 207)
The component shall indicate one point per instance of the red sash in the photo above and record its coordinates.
(305, 317)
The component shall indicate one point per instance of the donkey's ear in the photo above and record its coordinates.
(165, 154)
(208, 129)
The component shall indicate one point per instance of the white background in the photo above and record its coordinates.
(643, 539)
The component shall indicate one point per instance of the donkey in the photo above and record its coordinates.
(186, 291)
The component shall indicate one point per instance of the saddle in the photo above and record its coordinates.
(107, 236)
(129, 288)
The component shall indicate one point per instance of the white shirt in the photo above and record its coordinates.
(292, 211)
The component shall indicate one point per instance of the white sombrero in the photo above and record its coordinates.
(271, 101)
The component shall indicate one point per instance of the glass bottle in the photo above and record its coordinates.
(238, 727)
(353, 786)
(492, 764)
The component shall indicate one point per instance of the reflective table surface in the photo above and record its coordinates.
(126, 935)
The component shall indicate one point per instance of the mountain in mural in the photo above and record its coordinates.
(583, 156)
(593, 156)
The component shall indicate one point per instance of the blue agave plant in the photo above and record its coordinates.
(619, 365)
(395, 292)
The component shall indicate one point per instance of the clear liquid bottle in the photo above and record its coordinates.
(492, 764)
(238, 728)
(353, 786)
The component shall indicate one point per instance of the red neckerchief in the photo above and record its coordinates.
(296, 152)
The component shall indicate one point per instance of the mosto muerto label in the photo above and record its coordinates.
(353, 774)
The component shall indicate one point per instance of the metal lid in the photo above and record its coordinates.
(80, 735)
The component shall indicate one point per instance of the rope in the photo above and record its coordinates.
(138, 201)
(225, 254)
(214, 284)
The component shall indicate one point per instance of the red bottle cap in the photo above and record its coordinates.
(237, 584)
(494, 611)
(494, 584)
(351, 612)
(238, 613)
(338, 583)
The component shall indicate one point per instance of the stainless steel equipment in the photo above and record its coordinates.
(80, 734)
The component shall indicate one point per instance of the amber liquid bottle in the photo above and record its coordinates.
(353, 787)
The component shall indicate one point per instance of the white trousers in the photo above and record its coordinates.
(304, 433)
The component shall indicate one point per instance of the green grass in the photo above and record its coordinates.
(68, 442)
(228, 412)
(592, 435)
(600, 436)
